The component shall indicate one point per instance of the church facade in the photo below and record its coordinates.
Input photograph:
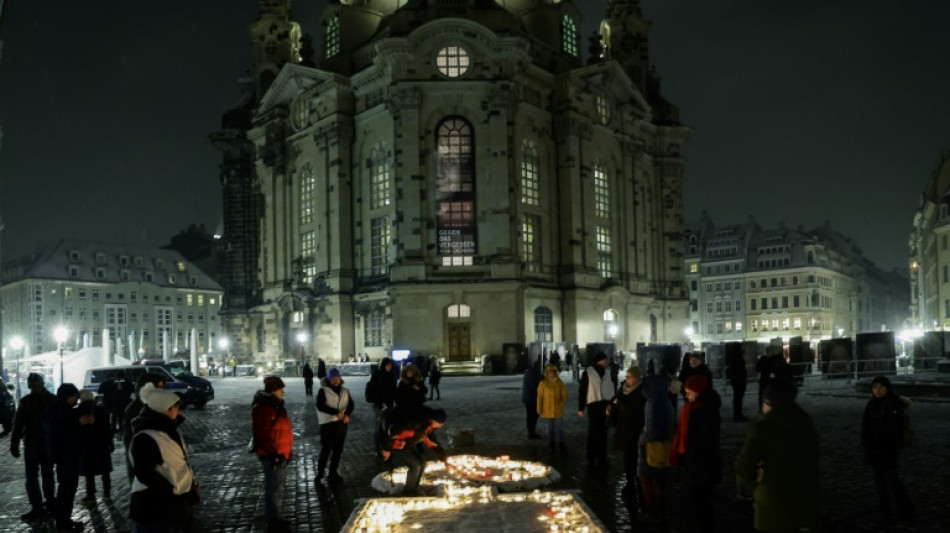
(450, 177)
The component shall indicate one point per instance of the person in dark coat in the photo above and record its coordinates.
(781, 457)
(96, 445)
(381, 393)
(772, 366)
(882, 428)
(435, 377)
(109, 390)
(696, 449)
(123, 397)
(529, 397)
(630, 406)
(321, 369)
(63, 427)
(410, 391)
(409, 432)
(695, 365)
(596, 391)
(164, 488)
(28, 426)
(308, 379)
(737, 376)
(134, 409)
(656, 441)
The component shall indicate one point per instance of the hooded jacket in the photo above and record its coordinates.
(383, 385)
(270, 423)
(658, 421)
(30, 414)
(163, 478)
(784, 444)
(552, 395)
(882, 428)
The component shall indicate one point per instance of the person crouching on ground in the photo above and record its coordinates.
(882, 429)
(552, 397)
(696, 447)
(273, 444)
(334, 407)
(164, 487)
(408, 432)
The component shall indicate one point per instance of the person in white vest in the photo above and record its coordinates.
(164, 487)
(334, 407)
(597, 390)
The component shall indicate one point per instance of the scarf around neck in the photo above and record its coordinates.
(681, 438)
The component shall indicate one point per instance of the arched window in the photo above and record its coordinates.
(611, 325)
(333, 37)
(380, 172)
(543, 325)
(373, 328)
(530, 186)
(459, 311)
(455, 191)
(569, 35)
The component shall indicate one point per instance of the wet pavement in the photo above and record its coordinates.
(490, 406)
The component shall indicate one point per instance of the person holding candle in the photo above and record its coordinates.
(552, 397)
(409, 432)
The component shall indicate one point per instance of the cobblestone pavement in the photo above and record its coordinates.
(490, 406)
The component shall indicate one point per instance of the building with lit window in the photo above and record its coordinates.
(148, 300)
(929, 245)
(749, 283)
(449, 177)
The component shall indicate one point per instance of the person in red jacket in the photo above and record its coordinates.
(273, 443)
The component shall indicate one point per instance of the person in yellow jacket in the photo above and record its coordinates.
(552, 397)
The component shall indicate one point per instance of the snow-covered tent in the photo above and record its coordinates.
(75, 364)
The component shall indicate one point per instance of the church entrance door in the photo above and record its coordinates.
(460, 341)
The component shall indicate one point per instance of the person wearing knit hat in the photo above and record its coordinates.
(334, 406)
(695, 365)
(28, 426)
(273, 442)
(97, 445)
(884, 433)
(787, 489)
(696, 449)
(596, 391)
(163, 484)
(552, 397)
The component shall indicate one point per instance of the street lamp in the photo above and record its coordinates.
(302, 339)
(60, 335)
(17, 344)
(223, 346)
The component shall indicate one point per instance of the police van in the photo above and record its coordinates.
(127, 376)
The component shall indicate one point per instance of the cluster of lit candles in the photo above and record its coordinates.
(501, 471)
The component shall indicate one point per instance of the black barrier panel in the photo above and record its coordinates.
(734, 356)
(715, 360)
(835, 357)
(929, 349)
(665, 358)
(751, 351)
(798, 357)
(875, 353)
(514, 359)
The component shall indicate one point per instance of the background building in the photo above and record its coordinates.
(749, 283)
(141, 296)
(930, 251)
(449, 177)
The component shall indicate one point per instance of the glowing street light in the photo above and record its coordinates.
(302, 339)
(61, 334)
(17, 344)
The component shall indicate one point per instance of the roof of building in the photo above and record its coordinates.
(99, 262)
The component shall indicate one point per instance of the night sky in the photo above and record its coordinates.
(803, 111)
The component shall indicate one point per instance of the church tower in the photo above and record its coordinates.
(625, 36)
(276, 40)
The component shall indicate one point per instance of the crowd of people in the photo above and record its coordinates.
(660, 439)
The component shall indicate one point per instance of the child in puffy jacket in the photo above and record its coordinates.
(552, 397)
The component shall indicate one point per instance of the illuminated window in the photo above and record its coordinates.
(530, 187)
(569, 35)
(601, 191)
(785, 323)
(457, 261)
(189, 299)
(754, 325)
(452, 61)
(380, 238)
(379, 178)
(306, 194)
(333, 37)
(459, 311)
(307, 242)
(603, 251)
(693, 268)
(603, 108)
(738, 327)
(297, 317)
(775, 324)
(797, 323)
(530, 243)
(373, 332)
(543, 325)
(455, 192)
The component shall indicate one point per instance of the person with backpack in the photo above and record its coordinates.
(381, 393)
(885, 430)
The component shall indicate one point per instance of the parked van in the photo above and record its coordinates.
(130, 375)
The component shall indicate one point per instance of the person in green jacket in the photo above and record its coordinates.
(780, 457)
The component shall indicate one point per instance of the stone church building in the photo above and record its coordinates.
(450, 176)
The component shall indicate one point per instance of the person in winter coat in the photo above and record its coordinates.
(737, 375)
(273, 444)
(882, 429)
(630, 406)
(308, 379)
(435, 377)
(28, 427)
(63, 429)
(334, 408)
(596, 391)
(164, 488)
(97, 445)
(696, 449)
(781, 456)
(132, 411)
(408, 433)
(656, 441)
(321, 369)
(410, 392)
(381, 393)
(552, 397)
(529, 397)
(695, 366)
